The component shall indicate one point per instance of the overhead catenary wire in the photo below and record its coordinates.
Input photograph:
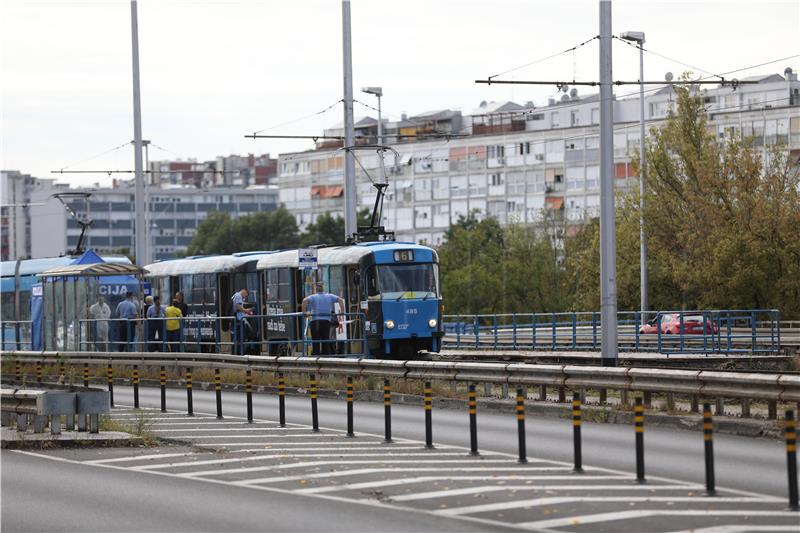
(320, 112)
(106, 152)
(637, 47)
(540, 60)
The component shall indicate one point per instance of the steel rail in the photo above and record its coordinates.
(762, 386)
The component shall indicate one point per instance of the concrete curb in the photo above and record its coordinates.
(14, 440)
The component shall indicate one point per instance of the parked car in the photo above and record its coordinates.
(671, 325)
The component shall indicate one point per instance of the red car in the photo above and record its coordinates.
(671, 325)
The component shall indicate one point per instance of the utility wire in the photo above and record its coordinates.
(123, 145)
(665, 57)
(587, 41)
(337, 102)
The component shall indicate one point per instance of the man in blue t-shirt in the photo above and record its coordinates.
(126, 311)
(321, 312)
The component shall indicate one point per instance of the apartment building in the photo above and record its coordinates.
(517, 162)
(224, 171)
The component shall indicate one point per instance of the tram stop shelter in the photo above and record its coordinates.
(70, 291)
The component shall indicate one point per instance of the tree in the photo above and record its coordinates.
(269, 230)
(328, 229)
(723, 224)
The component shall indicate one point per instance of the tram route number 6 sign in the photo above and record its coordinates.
(307, 258)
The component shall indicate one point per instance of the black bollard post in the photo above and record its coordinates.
(473, 420)
(791, 458)
(85, 374)
(135, 386)
(162, 379)
(576, 431)
(39, 372)
(189, 403)
(281, 399)
(350, 407)
(313, 390)
(110, 379)
(248, 388)
(18, 370)
(428, 415)
(218, 391)
(638, 423)
(387, 411)
(708, 439)
(523, 452)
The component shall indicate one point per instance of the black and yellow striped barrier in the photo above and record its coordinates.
(281, 399)
(350, 407)
(86, 374)
(162, 381)
(39, 372)
(576, 431)
(473, 420)
(708, 442)
(189, 403)
(790, 431)
(248, 389)
(523, 452)
(387, 411)
(428, 391)
(135, 386)
(110, 380)
(638, 424)
(312, 389)
(18, 370)
(218, 392)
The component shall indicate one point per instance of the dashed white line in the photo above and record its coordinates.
(446, 493)
(646, 513)
(559, 500)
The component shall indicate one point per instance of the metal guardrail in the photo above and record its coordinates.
(761, 386)
(751, 331)
(48, 406)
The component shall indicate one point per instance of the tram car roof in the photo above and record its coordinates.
(206, 264)
(30, 267)
(343, 255)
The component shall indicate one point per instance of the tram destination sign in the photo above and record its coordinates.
(307, 258)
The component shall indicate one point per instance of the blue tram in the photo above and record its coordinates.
(390, 289)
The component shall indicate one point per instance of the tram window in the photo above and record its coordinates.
(336, 281)
(372, 284)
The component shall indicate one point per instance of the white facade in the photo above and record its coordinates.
(516, 163)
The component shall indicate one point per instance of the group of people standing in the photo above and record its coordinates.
(148, 320)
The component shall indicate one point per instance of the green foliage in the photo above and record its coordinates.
(722, 224)
(270, 230)
(487, 268)
(329, 229)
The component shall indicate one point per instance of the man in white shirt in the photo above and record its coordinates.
(100, 312)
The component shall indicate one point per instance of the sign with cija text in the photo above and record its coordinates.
(307, 258)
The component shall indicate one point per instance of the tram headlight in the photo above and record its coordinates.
(432, 322)
(390, 324)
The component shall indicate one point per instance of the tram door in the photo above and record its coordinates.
(224, 295)
(355, 329)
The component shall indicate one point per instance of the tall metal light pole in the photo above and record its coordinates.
(608, 242)
(141, 247)
(378, 91)
(638, 37)
(349, 163)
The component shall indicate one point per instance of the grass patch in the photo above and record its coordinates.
(139, 426)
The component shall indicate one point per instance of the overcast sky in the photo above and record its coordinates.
(215, 70)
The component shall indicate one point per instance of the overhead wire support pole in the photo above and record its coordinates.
(608, 243)
(142, 250)
(349, 161)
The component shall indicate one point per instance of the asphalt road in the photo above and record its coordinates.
(289, 479)
(743, 463)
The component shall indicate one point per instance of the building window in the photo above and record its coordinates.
(575, 118)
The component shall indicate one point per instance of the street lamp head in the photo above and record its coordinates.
(635, 36)
(377, 91)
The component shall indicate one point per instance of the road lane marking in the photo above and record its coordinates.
(410, 481)
(268, 456)
(580, 520)
(737, 529)
(559, 500)
(369, 471)
(138, 458)
(326, 463)
(500, 488)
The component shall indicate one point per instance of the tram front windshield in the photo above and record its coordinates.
(397, 282)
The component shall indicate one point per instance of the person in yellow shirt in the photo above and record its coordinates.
(173, 315)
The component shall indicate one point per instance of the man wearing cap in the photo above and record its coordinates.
(319, 308)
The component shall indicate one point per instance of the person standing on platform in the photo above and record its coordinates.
(127, 313)
(155, 314)
(173, 315)
(237, 305)
(100, 312)
(181, 304)
(319, 307)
